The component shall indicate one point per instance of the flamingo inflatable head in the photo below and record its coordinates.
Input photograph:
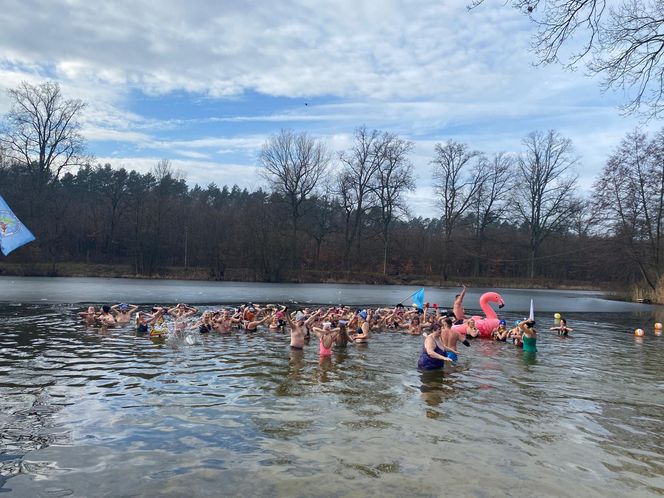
(489, 322)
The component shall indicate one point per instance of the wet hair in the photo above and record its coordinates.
(563, 321)
(448, 322)
(435, 327)
(106, 308)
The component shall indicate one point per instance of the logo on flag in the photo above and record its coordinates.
(9, 224)
(13, 233)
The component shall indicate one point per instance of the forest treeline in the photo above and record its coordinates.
(342, 214)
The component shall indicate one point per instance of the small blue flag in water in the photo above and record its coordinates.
(418, 298)
(13, 233)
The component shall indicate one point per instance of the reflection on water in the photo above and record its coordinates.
(95, 412)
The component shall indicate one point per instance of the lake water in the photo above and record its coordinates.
(85, 412)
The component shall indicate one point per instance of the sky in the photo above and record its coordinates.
(204, 83)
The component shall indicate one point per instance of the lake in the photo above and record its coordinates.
(88, 412)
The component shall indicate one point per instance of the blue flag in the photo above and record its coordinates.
(13, 233)
(418, 298)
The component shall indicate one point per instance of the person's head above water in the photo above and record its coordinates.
(106, 308)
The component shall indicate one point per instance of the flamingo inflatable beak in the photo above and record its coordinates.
(501, 305)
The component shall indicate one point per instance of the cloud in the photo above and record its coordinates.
(396, 50)
(206, 82)
(195, 171)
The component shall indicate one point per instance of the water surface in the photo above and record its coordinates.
(85, 412)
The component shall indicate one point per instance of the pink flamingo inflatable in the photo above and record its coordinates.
(490, 321)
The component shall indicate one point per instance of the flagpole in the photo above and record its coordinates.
(418, 290)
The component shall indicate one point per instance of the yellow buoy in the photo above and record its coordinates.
(557, 316)
(639, 333)
(658, 326)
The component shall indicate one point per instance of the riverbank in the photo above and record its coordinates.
(312, 276)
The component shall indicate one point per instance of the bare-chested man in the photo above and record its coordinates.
(459, 312)
(298, 329)
(123, 312)
(105, 319)
(450, 338)
(90, 316)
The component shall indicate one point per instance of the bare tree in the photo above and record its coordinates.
(622, 41)
(43, 131)
(394, 177)
(360, 166)
(294, 165)
(457, 178)
(544, 188)
(630, 196)
(491, 199)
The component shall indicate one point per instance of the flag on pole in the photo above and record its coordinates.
(13, 233)
(418, 298)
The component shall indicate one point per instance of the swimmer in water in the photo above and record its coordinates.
(89, 316)
(105, 319)
(326, 336)
(298, 329)
(562, 329)
(459, 311)
(434, 353)
(500, 334)
(471, 328)
(123, 312)
(361, 335)
(529, 337)
(180, 313)
(451, 338)
(343, 336)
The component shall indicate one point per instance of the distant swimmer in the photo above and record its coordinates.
(562, 329)
(501, 333)
(459, 312)
(89, 316)
(123, 312)
(105, 319)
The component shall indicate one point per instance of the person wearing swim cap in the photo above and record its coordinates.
(123, 312)
(500, 334)
(361, 335)
(326, 335)
(298, 325)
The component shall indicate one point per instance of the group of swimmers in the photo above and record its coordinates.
(333, 326)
